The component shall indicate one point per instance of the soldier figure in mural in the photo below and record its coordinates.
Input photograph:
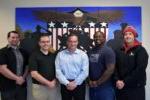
(30, 43)
(117, 41)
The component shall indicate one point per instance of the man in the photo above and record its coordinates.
(13, 61)
(42, 67)
(71, 70)
(102, 64)
(131, 63)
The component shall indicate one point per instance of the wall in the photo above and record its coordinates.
(7, 17)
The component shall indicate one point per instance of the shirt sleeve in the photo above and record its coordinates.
(84, 71)
(59, 75)
(110, 57)
(3, 58)
(33, 62)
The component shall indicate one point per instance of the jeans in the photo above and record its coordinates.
(102, 92)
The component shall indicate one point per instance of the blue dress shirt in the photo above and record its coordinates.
(72, 66)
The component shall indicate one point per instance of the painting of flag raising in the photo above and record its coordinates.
(59, 22)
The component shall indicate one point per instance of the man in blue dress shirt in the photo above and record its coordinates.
(72, 68)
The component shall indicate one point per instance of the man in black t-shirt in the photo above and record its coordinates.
(13, 71)
(42, 67)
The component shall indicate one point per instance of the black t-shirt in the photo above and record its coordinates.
(44, 64)
(7, 57)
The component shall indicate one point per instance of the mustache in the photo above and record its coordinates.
(129, 39)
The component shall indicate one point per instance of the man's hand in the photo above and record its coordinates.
(20, 80)
(71, 86)
(93, 84)
(120, 84)
(52, 84)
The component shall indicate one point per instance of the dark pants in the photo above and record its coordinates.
(131, 94)
(20, 93)
(77, 94)
(102, 92)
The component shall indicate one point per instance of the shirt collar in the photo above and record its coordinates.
(43, 52)
(13, 47)
(127, 48)
(99, 48)
(75, 52)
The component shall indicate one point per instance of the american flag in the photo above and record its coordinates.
(61, 29)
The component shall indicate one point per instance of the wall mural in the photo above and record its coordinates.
(58, 22)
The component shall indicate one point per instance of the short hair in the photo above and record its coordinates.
(100, 32)
(8, 34)
(70, 35)
(43, 35)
